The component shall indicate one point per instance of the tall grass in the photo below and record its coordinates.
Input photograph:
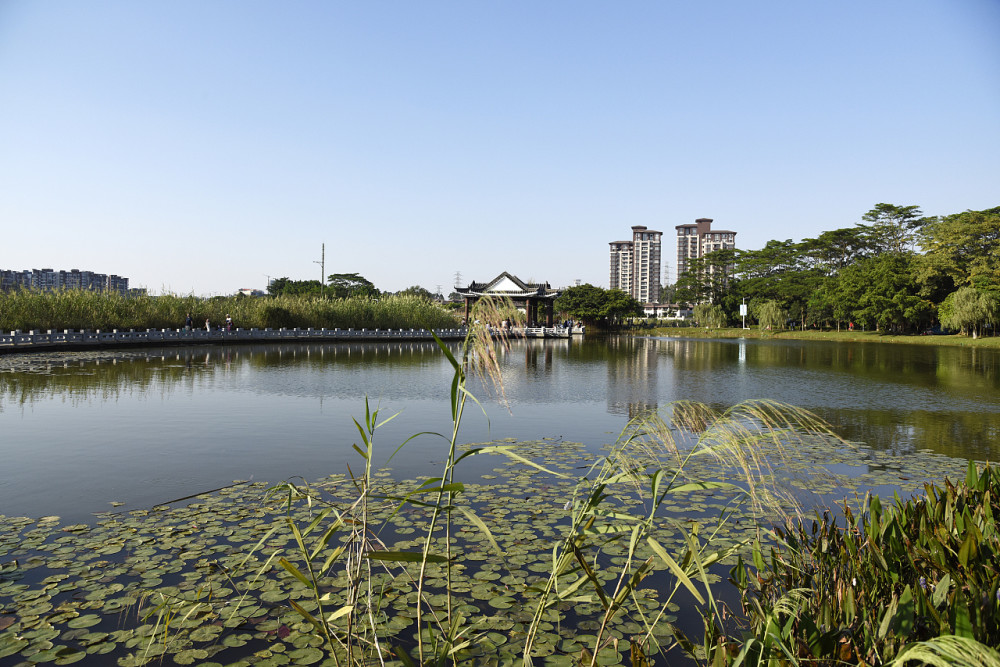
(25, 310)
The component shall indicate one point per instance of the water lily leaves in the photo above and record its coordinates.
(305, 656)
(215, 552)
(190, 656)
(85, 621)
(11, 645)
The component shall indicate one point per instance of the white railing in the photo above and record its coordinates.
(69, 339)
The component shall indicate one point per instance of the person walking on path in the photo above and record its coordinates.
(208, 325)
(188, 323)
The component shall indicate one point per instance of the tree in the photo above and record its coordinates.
(345, 285)
(418, 291)
(882, 293)
(288, 287)
(968, 309)
(779, 272)
(710, 315)
(596, 306)
(707, 278)
(771, 316)
(961, 250)
(894, 227)
(833, 250)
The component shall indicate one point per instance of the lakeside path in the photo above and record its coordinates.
(951, 340)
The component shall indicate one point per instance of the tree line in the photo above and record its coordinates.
(895, 271)
(339, 286)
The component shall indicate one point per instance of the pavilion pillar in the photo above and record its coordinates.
(549, 313)
(466, 311)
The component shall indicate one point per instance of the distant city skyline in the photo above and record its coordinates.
(202, 147)
(54, 279)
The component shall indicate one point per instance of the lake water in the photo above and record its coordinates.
(78, 431)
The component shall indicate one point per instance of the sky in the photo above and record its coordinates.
(203, 147)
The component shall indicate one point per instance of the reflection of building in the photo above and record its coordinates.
(698, 240)
(635, 265)
(47, 279)
(633, 370)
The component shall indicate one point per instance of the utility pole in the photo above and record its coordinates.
(458, 278)
(322, 271)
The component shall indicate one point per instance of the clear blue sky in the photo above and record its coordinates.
(199, 146)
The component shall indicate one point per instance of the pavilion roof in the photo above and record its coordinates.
(508, 285)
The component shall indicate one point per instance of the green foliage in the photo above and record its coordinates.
(882, 293)
(597, 306)
(916, 571)
(80, 309)
(289, 287)
(771, 316)
(868, 273)
(710, 315)
(417, 291)
(346, 285)
(893, 228)
(962, 250)
(969, 309)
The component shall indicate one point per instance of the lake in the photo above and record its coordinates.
(82, 430)
(131, 436)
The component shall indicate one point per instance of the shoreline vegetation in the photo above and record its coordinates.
(550, 561)
(951, 340)
(25, 310)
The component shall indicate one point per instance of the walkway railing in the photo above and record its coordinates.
(67, 339)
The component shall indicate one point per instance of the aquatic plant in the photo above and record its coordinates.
(915, 580)
(92, 594)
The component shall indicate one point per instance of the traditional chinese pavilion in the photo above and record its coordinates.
(528, 295)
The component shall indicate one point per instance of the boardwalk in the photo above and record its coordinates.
(17, 341)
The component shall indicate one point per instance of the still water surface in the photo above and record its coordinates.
(78, 431)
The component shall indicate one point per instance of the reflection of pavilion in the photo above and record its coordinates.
(518, 291)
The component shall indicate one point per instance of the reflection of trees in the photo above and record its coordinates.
(80, 377)
(699, 355)
(972, 435)
(925, 366)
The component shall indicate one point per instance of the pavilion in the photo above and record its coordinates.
(531, 295)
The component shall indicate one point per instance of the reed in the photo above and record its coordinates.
(26, 310)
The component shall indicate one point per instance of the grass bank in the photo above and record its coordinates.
(25, 310)
(840, 336)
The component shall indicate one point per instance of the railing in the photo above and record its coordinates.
(552, 332)
(69, 339)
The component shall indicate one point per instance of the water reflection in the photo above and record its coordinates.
(893, 397)
(166, 422)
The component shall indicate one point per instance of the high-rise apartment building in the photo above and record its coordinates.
(49, 279)
(698, 240)
(635, 265)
